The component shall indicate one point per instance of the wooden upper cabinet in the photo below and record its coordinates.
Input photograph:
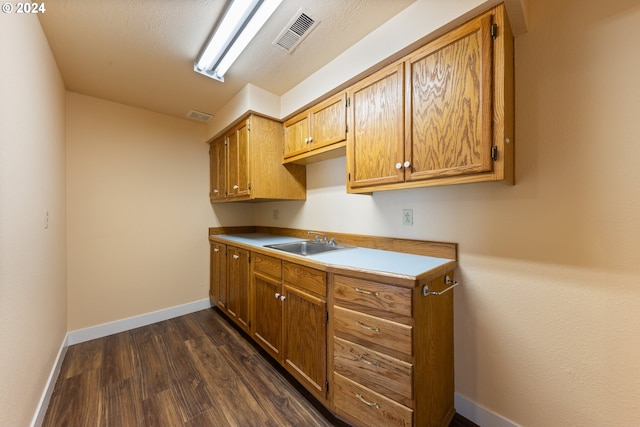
(238, 167)
(314, 134)
(449, 104)
(441, 115)
(218, 168)
(246, 164)
(376, 120)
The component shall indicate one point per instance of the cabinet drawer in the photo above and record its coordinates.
(309, 279)
(378, 372)
(377, 296)
(267, 265)
(368, 408)
(376, 333)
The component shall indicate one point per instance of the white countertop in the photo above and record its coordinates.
(355, 257)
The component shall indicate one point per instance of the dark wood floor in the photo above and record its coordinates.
(194, 370)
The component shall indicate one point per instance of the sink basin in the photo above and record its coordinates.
(307, 247)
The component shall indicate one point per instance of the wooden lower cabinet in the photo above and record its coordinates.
(290, 318)
(380, 353)
(238, 286)
(218, 275)
(392, 352)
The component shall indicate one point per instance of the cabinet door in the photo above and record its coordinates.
(218, 170)
(375, 151)
(296, 135)
(238, 285)
(305, 329)
(218, 277)
(449, 104)
(238, 161)
(328, 122)
(267, 319)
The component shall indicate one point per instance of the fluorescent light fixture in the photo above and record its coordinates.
(241, 21)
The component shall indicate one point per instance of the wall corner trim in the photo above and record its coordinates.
(43, 404)
(479, 415)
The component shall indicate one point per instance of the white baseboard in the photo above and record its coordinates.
(43, 404)
(105, 329)
(479, 415)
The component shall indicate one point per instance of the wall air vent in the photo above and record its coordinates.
(199, 116)
(296, 31)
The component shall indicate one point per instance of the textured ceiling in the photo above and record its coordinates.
(141, 52)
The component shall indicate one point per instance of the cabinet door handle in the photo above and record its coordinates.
(370, 404)
(398, 165)
(236, 257)
(363, 360)
(277, 295)
(282, 298)
(364, 291)
(215, 190)
(367, 327)
(407, 164)
(216, 250)
(235, 187)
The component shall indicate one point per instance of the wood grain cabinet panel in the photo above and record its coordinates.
(267, 314)
(391, 355)
(218, 275)
(443, 114)
(246, 164)
(238, 286)
(317, 133)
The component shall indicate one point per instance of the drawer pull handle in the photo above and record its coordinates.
(363, 360)
(367, 327)
(370, 404)
(364, 291)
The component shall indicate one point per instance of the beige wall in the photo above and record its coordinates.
(32, 180)
(548, 317)
(138, 211)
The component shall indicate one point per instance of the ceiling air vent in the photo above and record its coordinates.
(199, 116)
(296, 31)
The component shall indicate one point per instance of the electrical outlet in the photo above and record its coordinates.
(276, 214)
(407, 216)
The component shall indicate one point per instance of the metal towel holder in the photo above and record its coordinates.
(447, 281)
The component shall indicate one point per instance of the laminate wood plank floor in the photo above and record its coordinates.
(196, 370)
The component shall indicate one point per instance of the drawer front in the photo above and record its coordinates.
(377, 296)
(309, 279)
(379, 334)
(365, 407)
(386, 375)
(267, 265)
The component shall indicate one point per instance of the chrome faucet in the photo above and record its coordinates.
(324, 238)
(317, 237)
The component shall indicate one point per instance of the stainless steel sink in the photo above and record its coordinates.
(307, 247)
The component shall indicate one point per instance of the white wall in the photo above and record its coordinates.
(32, 180)
(548, 317)
(138, 211)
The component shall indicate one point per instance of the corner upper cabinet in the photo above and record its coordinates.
(318, 133)
(457, 119)
(246, 164)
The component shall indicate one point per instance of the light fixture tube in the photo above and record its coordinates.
(239, 25)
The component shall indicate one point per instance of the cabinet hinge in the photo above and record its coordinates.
(249, 186)
(494, 153)
(326, 385)
(249, 124)
(326, 315)
(348, 103)
(494, 31)
(346, 129)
